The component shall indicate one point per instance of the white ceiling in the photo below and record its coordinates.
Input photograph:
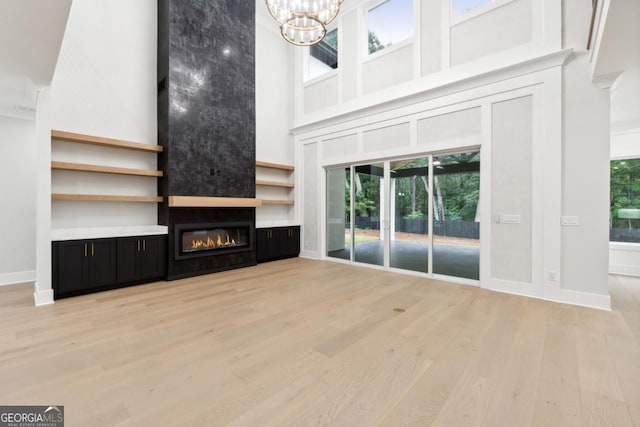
(31, 33)
(619, 51)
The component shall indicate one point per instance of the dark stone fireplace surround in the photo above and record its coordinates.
(180, 268)
(206, 120)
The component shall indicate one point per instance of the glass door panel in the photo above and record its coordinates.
(409, 211)
(339, 213)
(368, 193)
(456, 215)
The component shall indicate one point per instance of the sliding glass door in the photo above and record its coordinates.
(419, 214)
(409, 219)
(368, 212)
(339, 213)
(456, 215)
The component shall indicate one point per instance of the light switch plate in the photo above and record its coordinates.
(570, 221)
(511, 219)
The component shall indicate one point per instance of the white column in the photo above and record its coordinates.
(43, 291)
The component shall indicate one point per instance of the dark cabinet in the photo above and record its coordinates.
(141, 258)
(83, 265)
(277, 243)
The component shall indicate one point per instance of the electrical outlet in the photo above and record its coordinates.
(552, 276)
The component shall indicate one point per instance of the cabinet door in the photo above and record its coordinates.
(72, 266)
(127, 249)
(293, 241)
(281, 238)
(102, 262)
(262, 244)
(152, 256)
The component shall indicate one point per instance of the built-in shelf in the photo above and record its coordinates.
(82, 167)
(275, 183)
(104, 169)
(282, 184)
(274, 166)
(213, 202)
(103, 142)
(105, 198)
(277, 202)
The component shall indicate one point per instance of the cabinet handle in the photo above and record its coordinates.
(85, 249)
(92, 248)
(144, 245)
(138, 245)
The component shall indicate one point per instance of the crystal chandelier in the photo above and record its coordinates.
(303, 22)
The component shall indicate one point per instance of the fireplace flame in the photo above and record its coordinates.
(210, 243)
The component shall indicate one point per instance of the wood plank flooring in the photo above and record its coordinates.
(311, 343)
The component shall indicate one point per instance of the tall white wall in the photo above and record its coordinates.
(105, 80)
(18, 190)
(105, 85)
(585, 162)
(274, 142)
(585, 180)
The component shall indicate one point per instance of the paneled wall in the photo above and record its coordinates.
(443, 49)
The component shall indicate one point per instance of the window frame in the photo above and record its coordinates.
(632, 246)
(306, 55)
(372, 4)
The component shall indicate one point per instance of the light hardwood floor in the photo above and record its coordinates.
(304, 343)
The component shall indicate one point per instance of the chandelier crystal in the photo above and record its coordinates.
(303, 22)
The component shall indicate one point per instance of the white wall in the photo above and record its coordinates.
(18, 190)
(274, 143)
(585, 158)
(585, 179)
(105, 80)
(625, 144)
(105, 85)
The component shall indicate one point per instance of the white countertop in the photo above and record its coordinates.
(105, 232)
(270, 224)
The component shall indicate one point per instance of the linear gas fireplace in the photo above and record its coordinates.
(198, 240)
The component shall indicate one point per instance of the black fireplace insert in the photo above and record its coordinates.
(200, 240)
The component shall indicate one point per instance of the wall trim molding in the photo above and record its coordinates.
(429, 88)
(17, 277)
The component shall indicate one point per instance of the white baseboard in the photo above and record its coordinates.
(583, 299)
(18, 277)
(309, 255)
(625, 270)
(44, 297)
(554, 294)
